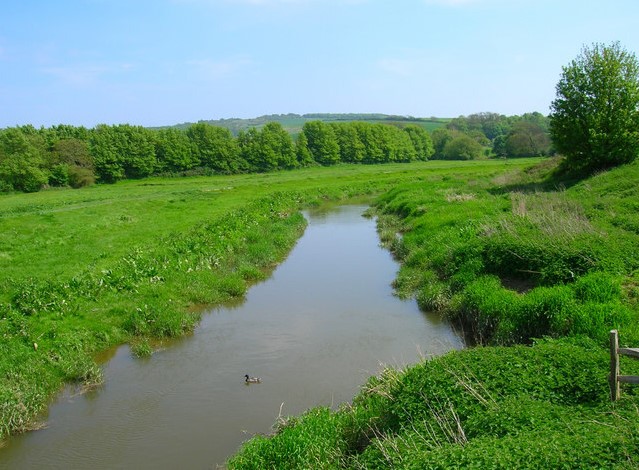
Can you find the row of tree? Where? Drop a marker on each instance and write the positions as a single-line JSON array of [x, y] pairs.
[[468, 137], [65, 155]]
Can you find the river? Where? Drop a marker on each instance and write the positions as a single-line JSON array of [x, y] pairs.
[[313, 332]]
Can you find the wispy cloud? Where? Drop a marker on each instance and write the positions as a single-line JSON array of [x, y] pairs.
[[210, 69], [84, 74], [78, 75], [397, 66]]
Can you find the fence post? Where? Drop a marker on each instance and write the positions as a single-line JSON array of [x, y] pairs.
[[614, 365]]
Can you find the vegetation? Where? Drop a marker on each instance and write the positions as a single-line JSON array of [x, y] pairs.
[[507, 258], [595, 116], [293, 123], [33, 159], [502, 136], [83, 270], [516, 407]]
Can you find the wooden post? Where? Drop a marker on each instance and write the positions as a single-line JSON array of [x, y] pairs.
[[614, 366]]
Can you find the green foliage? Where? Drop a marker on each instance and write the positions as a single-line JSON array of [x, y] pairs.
[[322, 142], [268, 149], [508, 266], [174, 151], [216, 148], [311, 441], [21, 160], [527, 139], [461, 147], [302, 153], [81, 273], [595, 115], [421, 141]]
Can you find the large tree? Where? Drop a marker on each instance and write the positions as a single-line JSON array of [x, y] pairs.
[[322, 142], [21, 160], [595, 115], [216, 148]]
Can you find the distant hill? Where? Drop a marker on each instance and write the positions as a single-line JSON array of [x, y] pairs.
[[293, 122]]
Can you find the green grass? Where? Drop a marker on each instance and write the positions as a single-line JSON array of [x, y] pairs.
[[83, 270], [545, 406], [508, 257]]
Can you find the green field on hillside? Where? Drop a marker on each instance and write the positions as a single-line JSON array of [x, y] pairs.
[[293, 123]]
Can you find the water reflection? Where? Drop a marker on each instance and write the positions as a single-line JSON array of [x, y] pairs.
[[313, 332]]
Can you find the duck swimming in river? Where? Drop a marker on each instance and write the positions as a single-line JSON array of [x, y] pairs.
[[252, 380]]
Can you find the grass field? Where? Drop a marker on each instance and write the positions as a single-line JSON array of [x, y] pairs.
[[83, 270]]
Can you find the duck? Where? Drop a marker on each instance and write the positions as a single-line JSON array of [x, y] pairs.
[[252, 380]]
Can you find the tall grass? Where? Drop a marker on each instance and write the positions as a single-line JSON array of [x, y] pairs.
[[518, 407], [520, 260]]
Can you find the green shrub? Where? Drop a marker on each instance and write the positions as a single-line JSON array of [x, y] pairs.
[[59, 175], [545, 311], [311, 441], [484, 303], [600, 287]]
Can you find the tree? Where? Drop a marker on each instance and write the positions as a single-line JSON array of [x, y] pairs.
[[216, 148], [440, 138], [71, 164], [21, 161], [122, 151], [421, 140], [302, 153], [594, 118], [109, 163], [322, 142], [174, 150], [527, 139], [352, 150], [462, 147], [267, 149]]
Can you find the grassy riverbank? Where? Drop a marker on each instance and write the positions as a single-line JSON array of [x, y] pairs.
[[508, 257], [83, 270]]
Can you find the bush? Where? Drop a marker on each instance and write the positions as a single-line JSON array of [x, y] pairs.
[[59, 175], [598, 287]]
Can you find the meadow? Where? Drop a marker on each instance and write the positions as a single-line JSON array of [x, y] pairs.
[[83, 270]]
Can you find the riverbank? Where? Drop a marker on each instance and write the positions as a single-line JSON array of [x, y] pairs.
[[508, 258], [84, 270]]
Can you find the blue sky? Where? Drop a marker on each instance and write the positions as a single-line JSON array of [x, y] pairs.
[[162, 62]]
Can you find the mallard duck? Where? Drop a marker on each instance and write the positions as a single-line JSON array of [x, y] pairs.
[[252, 380]]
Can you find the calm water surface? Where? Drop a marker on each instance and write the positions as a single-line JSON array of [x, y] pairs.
[[324, 322]]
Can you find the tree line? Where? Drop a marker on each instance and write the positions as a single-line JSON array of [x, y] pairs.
[[64, 155]]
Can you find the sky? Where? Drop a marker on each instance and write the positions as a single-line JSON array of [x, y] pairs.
[[164, 62]]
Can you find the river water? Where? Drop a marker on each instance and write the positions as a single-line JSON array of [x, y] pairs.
[[314, 332]]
